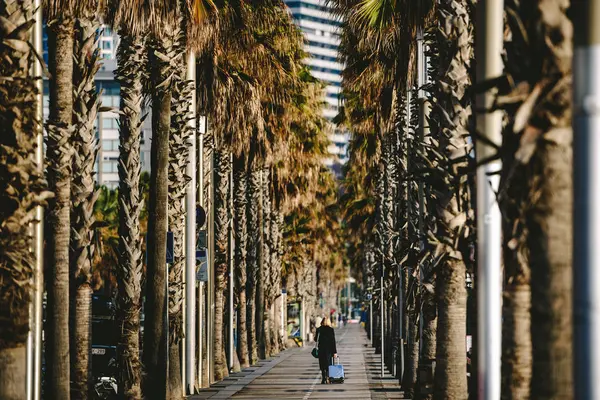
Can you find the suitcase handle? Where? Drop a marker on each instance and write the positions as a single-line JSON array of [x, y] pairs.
[[335, 360]]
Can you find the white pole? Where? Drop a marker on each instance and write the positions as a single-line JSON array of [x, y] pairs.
[[371, 321], [489, 46], [211, 276], [200, 170], [586, 221], [231, 265], [422, 122], [190, 238], [34, 341], [382, 307]]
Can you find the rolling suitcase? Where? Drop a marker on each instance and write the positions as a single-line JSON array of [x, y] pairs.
[[336, 371]]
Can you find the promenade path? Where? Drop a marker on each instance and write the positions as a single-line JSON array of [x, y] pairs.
[[294, 374]]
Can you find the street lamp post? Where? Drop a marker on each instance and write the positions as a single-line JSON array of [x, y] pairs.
[[586, 221], [488, 51], [190, 239]]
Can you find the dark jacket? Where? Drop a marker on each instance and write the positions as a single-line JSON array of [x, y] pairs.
[[327, 347]]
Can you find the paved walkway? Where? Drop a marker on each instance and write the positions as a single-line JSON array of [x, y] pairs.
[[294, 374]]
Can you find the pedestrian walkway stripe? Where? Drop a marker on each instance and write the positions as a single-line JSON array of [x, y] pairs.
[[312, 387]]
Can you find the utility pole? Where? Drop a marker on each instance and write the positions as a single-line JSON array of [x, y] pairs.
[[231, 265], [201, 303], [190, 239], [586, 221], [34, 340], [489, 45], [382, 307], [423, 126]]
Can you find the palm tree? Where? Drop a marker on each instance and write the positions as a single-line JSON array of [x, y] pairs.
[[452, 194], [241, 250], [21, 190], [60, 17], [131, 56], [83, 197], [541, 170], [254, 248], [163, 50], [178, 159], [132, 76]]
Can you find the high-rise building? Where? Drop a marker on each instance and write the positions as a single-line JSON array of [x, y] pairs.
[[107, 122], [321, 28]]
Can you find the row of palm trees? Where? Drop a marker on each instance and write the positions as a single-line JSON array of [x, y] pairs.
[[265, 128], [410, 185]]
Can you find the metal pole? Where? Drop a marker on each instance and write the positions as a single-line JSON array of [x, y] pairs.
[[231, 266], [382, 306], [34, 341], [586, 221], [200, 170], [371, 321], [190, 238], [211, 276], [422, 127], [489, 46], [348, 297]]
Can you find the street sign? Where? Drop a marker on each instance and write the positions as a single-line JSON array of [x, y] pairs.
[[201, 238], [202, 275], [170, 248], [200, 216]]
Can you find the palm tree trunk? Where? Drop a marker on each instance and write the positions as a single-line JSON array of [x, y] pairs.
[[264, 287], [428, 347], [21, 190], [59, 155], [451, 192], [412, 353], [253, 268], [549, 218], [222, 173], [83, 196], [178, 160], [516, 335], [550, 242], [156, 324], [131, 57], [241, 251]]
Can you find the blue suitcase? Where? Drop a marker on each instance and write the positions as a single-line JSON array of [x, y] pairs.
[[336, 372]]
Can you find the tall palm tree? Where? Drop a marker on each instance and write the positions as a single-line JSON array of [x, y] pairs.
[[21, 190], [178, 159], [452, 193], [60, 20], [131, 75], [163, 51], [240, 230], [254, 212], [132, 58], [541, 117], [83, 197]]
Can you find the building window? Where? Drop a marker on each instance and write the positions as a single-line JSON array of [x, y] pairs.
[[110, 101], [110, 123], [106, 45], [109, 167], [110, 145], [109, 88]]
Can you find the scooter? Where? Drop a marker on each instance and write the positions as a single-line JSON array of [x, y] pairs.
[[106, 387]]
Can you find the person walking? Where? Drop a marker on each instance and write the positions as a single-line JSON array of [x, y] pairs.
[[327, 348]]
